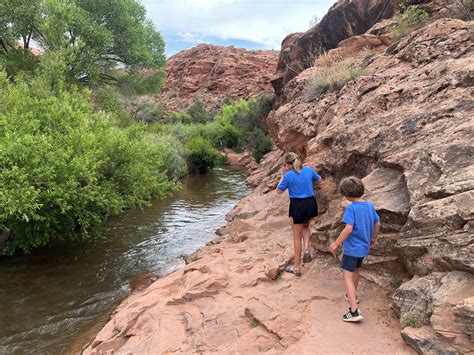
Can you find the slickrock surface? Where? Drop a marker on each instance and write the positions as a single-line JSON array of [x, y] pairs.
[[406, 128], [233, 300], [212, 74]]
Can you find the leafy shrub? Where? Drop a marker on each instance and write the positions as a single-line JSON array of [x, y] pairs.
[[199, 114], [260, 144], [333, 78], [181, 117], [407, 19], [146, 109], [64, 168], [200, 155], [107, 99]]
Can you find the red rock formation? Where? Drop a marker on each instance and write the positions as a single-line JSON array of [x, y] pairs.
[[405, 127], [344, 19], [211, 74]]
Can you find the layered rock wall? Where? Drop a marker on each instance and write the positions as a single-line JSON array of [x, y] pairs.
[[406, 128]]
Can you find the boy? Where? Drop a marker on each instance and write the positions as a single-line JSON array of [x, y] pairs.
[[362, 226]]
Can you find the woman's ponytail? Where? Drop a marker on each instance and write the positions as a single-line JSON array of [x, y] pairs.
[[294, 160], [297, 165]]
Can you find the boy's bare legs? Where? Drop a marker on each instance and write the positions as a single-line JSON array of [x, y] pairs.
[[351, 288], [355, 277], [297, 238]]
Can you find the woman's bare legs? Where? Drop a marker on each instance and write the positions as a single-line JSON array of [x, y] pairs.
[[297, 239], [306, 235]]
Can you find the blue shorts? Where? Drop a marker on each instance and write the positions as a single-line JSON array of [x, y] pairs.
[[351, 263]]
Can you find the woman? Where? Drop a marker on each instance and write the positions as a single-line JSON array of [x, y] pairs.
[[299, 180]]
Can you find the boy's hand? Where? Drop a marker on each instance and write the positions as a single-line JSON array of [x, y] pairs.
[[372, 242], [333, 248]]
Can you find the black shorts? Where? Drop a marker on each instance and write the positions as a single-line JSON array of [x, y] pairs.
[[351, 263], [303, 209]]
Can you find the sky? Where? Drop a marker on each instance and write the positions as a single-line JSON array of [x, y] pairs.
[[251, 24]]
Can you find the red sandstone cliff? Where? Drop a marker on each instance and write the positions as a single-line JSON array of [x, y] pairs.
[[406, 128], [211, 74]]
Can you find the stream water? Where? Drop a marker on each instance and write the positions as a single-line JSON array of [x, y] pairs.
[[53, 300]]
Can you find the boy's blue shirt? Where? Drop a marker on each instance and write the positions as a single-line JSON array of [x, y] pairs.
[[299, 185], [362, 217]]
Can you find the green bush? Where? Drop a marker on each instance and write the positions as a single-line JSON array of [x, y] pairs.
[[199, 114], [64, 168], [200, 154], [106, 98], [180, 117], [406, 19], [261, 144], [146, 109]]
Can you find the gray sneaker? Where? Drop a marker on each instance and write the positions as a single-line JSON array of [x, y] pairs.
[[307, 257]]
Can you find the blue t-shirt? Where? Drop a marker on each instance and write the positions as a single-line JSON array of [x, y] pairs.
[[362, 217], [299, 185]]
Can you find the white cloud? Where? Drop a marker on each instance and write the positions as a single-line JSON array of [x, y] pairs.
[[263, 21]]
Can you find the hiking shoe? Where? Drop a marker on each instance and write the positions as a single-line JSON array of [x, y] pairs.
[[293, 271], [352, 316], [307, 257], [347, 298]]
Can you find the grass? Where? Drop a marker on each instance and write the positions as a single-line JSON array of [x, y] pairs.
[[409, 18], [409, 321], [333, 78], [395, 283]]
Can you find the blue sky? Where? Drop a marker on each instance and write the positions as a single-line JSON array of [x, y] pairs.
[[251, 24]]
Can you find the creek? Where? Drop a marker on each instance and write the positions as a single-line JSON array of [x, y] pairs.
[[55, 299]]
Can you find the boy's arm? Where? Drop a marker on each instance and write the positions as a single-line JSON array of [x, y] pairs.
[[346, 232], [375, 233]]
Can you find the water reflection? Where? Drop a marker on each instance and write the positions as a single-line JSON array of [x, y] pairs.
[[51, 297]]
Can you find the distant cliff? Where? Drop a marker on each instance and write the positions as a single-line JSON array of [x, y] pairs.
[[212, 74]]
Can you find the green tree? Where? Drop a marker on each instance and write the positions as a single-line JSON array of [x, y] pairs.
[[95, 36]]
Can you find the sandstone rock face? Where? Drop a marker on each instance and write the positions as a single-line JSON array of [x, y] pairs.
[[344, 19], [212, 74], [236, 299], [406, 128]]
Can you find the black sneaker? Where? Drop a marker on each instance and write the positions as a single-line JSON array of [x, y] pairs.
[[307, 257], [352, 316]]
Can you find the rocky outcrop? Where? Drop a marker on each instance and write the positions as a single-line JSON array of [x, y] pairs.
[[344, 19], [406, 128], [234, 298], [212, 74]]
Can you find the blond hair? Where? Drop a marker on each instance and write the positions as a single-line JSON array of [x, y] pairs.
[[294, 160]]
